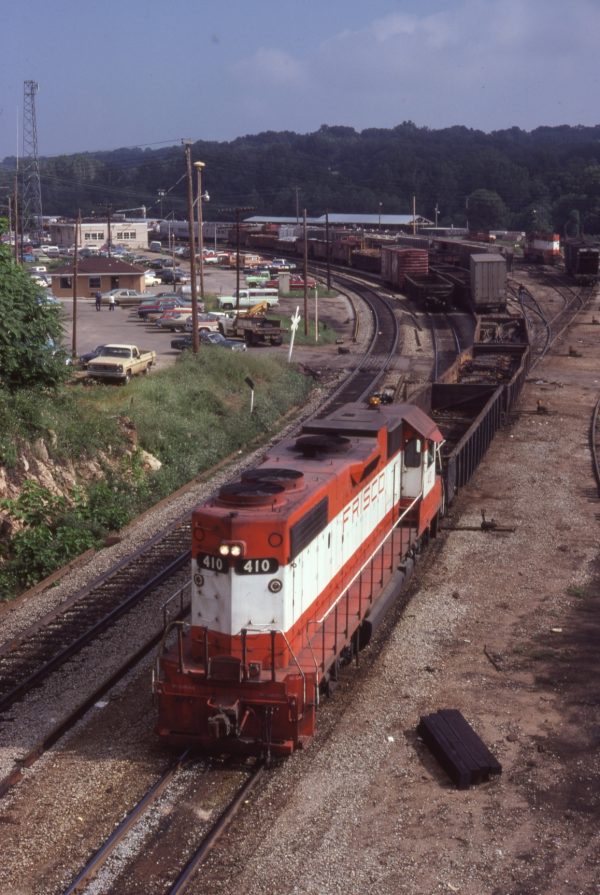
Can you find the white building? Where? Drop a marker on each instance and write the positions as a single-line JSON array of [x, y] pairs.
[[131, 234]]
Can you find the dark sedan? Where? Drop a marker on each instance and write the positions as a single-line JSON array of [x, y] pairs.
[[174, 276], [85, 358], [181, 343]]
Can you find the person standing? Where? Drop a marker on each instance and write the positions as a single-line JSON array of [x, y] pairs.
[[98, 297], [111, 303]]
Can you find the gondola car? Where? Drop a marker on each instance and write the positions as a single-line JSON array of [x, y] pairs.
[[291, 565]]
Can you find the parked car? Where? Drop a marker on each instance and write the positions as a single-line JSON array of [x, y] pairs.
[[297, 282], [175, 276], [183, 343], [152, 278], [85, 358], [221, 341], [175, 320], [206, 323], [46, 298], [158, 307], [124, 297], [280, 264]]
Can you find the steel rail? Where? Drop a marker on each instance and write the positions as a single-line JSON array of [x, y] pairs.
[[216, 831], [68, 722], [120, 831], [595, 445], [43, 671]]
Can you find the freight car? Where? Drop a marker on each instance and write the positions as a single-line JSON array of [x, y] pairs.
[[582, 260], [431, 292], [290, 566]]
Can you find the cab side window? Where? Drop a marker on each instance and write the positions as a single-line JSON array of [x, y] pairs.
[[412, 453]]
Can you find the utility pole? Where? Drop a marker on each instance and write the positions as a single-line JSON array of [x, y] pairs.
[[75, 272], [199, 166], [190, 193], [108, 223], [238, 211], [414, 215], [327, 251], [436, 211], [16, 190], [305, 274]]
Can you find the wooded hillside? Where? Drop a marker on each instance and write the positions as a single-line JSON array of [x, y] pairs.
[[535, 178]]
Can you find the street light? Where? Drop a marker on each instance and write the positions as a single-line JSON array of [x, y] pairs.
[[161, 196], [198, 166], [379, 225]]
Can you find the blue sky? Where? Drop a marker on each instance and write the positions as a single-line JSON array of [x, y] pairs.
[[143, 72]]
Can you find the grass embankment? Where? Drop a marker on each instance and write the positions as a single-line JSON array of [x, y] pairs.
[[189, 417]]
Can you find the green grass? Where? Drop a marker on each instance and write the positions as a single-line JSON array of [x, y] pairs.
[[190, 416]]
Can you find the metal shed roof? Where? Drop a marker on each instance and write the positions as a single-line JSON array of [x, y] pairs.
[[369, 220]]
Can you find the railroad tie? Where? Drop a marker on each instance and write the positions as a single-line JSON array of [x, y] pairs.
[[459, 750]]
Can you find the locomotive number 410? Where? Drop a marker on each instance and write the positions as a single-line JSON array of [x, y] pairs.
[[258, 566]]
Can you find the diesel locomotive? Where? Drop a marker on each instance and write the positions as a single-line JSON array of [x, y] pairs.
[[291, 564]]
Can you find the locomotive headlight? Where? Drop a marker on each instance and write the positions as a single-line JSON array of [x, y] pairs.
[[232, 548]]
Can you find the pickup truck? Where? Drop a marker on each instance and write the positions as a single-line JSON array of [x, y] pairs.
[[254, 330], [120, 362]]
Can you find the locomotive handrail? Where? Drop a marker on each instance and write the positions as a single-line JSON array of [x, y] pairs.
[[178, 593], [180, 625], [258, 629], [366, 563]]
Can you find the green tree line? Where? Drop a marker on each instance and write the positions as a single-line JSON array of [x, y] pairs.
[[510, 178]]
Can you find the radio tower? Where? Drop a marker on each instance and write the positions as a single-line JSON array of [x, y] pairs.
[[31, 214]]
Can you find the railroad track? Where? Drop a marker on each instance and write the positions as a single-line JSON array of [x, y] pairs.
[[136, 869], [546, 325], [381, 351], [26, 661]]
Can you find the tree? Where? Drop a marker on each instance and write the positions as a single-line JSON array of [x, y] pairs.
[[486, 211], [30, 330]]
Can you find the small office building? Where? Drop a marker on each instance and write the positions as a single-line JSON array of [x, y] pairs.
[[97, 275]]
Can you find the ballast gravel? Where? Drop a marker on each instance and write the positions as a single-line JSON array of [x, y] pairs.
[[503, 626]]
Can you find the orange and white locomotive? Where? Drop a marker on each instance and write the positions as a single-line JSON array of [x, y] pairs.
[[288, 564]]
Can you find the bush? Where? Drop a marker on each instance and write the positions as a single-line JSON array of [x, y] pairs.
[[190, 417]]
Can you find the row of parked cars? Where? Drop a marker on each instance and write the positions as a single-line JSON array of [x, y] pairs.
[[172, 313]]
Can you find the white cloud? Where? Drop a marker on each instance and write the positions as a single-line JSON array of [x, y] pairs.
[[271, 63]]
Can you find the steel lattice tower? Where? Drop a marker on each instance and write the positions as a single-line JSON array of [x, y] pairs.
[[31, 202]]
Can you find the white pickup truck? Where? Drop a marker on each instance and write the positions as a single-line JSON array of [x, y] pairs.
[[120, 362]]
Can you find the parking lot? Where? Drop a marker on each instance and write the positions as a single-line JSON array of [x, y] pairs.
[[123, 325]]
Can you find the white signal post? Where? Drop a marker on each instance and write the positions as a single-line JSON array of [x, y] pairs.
[[295, 321], [317, 313]]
